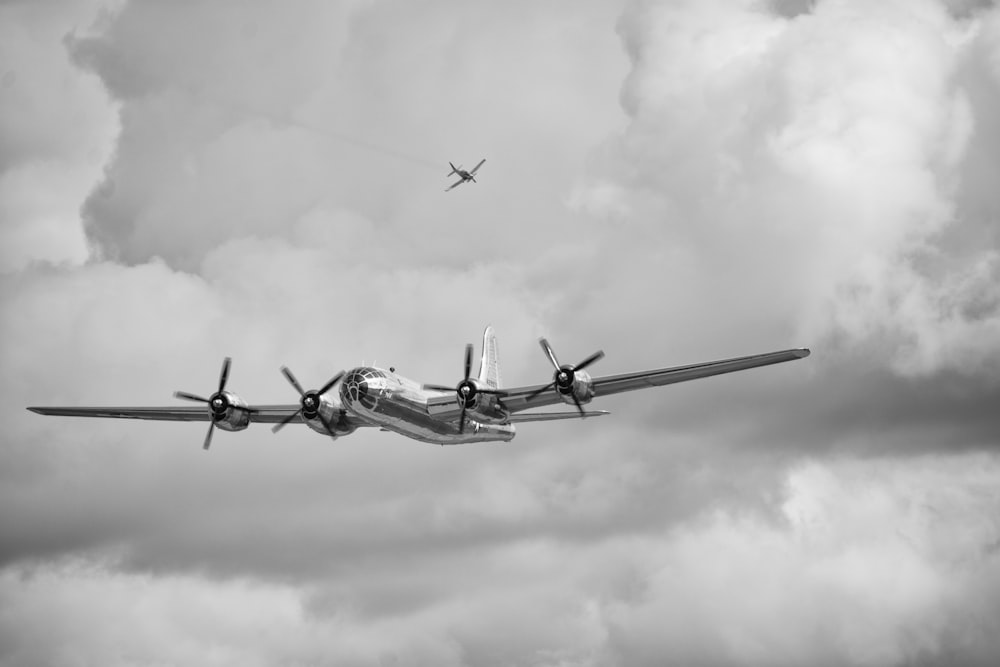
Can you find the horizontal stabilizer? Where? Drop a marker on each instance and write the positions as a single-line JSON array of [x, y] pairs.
[[552, 416]]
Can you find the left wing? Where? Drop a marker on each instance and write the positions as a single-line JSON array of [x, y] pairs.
[[524, 398], [476, 168], [455, 184], [518, 399], [553, 416]]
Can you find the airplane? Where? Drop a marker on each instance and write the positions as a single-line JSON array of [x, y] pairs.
[[477, 409], [465, 176]]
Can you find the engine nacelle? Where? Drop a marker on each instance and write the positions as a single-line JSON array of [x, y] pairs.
[[486, 407], [582, 388], [335, 415], [229, 411]]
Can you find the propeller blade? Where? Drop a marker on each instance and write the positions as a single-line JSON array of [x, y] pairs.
[[189, 397], [224, 375], [549, 352], [329, 385], [291, 379], [539, 391], [589, 360], [327, 425], [208, 436], [563, 374], [437, 387], [466, 389], [287, 420], [579, 407]]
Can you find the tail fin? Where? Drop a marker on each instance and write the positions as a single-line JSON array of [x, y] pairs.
[[453, 169], [489, 368]]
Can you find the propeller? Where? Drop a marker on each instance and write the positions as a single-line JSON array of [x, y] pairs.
[[564, 376], [309, 403], [466, 390], [218, 403]]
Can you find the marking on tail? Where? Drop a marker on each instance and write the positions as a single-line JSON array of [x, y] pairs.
[[489, 367]]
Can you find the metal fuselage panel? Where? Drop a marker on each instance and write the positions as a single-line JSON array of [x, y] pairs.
[[399, 405]]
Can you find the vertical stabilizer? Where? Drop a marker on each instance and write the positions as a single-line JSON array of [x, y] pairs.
[[489, 368]]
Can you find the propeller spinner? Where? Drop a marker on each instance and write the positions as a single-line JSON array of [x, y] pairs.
[[466, 390], [565, 375], [218, 403], [309, 402]]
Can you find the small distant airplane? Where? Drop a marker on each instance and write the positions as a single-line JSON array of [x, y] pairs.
[[477, 409], [465, 176]]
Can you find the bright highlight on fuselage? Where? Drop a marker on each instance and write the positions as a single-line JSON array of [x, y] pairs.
[[477, 409]]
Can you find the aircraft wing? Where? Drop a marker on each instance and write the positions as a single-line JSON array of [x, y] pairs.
[[552, 416], [520, 398], [455, 184], [261, 414], [476, 168], [178, 414]]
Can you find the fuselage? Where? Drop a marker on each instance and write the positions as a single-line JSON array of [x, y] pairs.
[[464, 174], [398, 404]]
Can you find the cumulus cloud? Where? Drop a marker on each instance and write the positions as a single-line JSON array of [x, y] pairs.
[[827, 155], [56, 129], [205, 155], [784, 173], [867, 563]]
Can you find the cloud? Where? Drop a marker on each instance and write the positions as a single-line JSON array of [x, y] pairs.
[[205, 155], [871, 563], [860, 563], [56, 128], [847, 130], [784, 173]]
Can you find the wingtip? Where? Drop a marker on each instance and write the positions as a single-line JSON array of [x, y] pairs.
[[802, 352], [37, 411]]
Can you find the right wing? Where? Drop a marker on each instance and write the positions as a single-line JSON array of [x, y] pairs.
[[455, 184], [259, 414], [476, 168], [178, 414]]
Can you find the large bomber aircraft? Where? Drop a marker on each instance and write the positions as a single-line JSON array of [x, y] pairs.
[[477, 409]]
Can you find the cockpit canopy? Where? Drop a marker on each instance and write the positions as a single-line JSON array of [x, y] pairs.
[[360, 381]]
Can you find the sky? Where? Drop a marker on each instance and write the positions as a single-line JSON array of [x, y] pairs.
[[668, 181]]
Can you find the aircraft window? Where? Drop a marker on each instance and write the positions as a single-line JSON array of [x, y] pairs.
[[355, 385]]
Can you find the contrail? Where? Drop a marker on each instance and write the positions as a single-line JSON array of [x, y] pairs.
[[325, 131], [362, 143]]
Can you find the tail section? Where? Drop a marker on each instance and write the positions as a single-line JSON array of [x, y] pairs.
[[489, 368], [453, 169]]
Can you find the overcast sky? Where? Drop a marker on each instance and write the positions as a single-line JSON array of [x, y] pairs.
[[671, 182]]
